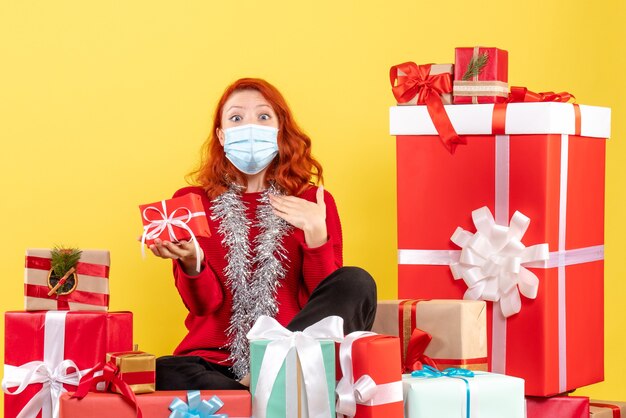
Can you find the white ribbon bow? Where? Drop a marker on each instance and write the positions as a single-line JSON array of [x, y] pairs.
[[52, 379], [156, 227], [311, 360], [364, 391], [492, 261]]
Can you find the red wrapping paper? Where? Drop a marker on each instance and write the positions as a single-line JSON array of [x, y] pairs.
[[237, 404], [379, 357], [186, 209], [557, 406], [496, 70], [88, 337], [437, 193]]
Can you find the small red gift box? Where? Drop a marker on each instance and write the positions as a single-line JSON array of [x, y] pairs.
[[90, 291], [56, 347], [557, 406], [135, 368], [237, 404], [177, 219], [480, 75], [370, 384], [545, 160]]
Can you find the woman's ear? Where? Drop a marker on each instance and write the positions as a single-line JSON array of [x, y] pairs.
[[220, 135]]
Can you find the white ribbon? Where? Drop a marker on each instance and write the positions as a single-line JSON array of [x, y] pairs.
[[364, 391], [309, 351], [492, 261], [156, 227], [52, 372]]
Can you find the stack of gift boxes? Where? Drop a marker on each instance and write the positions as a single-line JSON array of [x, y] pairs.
[[500, 253], [67, 356], [500, 202]]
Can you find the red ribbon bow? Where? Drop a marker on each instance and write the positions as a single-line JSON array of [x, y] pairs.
[[522, 94], [111, 376], [415, 357], [418, 82]]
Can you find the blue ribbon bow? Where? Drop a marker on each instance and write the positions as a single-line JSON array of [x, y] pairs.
[[453, 372], [196, 407]]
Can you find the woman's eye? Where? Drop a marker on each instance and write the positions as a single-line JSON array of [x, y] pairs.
[[265, 116], [235, 118]]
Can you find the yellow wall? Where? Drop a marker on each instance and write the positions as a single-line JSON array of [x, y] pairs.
[[104, 104]]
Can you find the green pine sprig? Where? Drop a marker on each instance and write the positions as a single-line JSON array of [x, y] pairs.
[[63, 259], [475, 66]]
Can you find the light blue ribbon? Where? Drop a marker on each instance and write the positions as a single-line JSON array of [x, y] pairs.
[[453, 372], [196, 407]]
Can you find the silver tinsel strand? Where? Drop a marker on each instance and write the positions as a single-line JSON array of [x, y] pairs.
[[254, 293]]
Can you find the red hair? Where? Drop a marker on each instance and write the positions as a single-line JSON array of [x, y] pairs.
[[293, 169]]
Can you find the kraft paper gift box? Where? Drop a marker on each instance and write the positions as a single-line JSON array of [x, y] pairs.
[[458, 329], [370, 382], [399, 77], [60, 346], [607, 409], [293, 374], [557, 406], [136, 368], [486, 395], [545, 160], [490, 85], [152, 405], [176, 219], [90, 290]]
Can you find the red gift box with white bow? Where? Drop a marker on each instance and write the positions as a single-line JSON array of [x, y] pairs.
[[536, 172], [176, 219], [46, 353], [369, 376]]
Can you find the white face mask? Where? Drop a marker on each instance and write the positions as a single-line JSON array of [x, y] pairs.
[[251, 148]]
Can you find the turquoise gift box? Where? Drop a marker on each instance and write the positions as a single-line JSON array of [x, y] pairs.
[[292, 374], [485, 395], [288, 397]]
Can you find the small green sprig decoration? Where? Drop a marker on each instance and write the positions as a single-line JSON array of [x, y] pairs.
[[63, 264], [475, 66]]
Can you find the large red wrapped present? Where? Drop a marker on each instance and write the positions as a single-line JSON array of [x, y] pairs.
[[480, 75], [47, 353], [236, 404], [541, 165], [607, 409], [371, 377], [457, 329], [557, 406], [87, 289]]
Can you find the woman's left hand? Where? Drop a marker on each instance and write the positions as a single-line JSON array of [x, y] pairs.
[[310, 217]]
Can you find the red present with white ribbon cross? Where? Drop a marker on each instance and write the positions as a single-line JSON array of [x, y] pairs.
[[47, 353], [370, 378], [526, 193]]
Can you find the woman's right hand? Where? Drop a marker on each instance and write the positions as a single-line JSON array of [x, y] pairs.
[[184, 251]]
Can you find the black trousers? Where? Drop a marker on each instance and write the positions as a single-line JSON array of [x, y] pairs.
[[349, 292]]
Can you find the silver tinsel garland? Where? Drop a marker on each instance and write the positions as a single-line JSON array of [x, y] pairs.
[[254, 292]]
